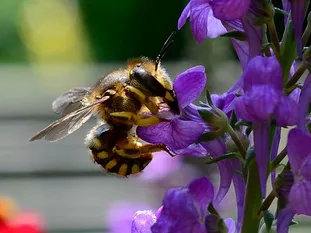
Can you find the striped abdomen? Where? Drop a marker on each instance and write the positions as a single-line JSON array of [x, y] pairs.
[[119, 165]]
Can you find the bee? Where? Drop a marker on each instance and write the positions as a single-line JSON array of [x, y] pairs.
[[121, 100]]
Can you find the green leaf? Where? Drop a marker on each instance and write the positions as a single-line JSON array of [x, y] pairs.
[[268, 218], [288, 50], [225, 156], [206, 115], [236, 35]]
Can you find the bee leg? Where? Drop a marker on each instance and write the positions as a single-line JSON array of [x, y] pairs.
[[150, 148], [131, 148], [143, 99], [130, 118]]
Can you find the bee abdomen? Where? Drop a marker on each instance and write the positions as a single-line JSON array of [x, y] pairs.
[[121, 166]]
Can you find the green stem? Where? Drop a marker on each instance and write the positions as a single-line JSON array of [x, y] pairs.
[[252, 201], [237, 141], [278, 159], [301, 69], [268, 201], [274, 38]]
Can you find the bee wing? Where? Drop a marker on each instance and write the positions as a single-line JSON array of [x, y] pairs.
[[70, 101], [68, 124]]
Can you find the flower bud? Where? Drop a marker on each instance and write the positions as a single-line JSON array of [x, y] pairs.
[[230, 144], [218, 122]]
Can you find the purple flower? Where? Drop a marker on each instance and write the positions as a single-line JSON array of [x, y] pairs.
[[185, 209], [143, 220], [298, 8], [253, 32], [179, 133], [263, 99], [210, 19], [304, 101], [119, 216], [299, 155]]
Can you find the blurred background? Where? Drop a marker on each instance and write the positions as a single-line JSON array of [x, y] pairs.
[[48, 47]]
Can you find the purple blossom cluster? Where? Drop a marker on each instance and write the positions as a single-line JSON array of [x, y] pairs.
[[240, 130]]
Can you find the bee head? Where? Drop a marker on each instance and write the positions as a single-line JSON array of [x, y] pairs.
[[152, 78], [153, 82]]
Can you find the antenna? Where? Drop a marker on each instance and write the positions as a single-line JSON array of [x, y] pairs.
[[168, 43]]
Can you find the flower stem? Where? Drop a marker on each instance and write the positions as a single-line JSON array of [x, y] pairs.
[[278, 159], [274, 38], [272, 195], [267, 202], [252, 201], [301, 69], [237, 141]]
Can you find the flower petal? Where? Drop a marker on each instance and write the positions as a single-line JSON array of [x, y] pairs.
[[300, 198], [217, 148], [183, 17], [261, 145], [286, 112], [263, 71], [215, 27], [298, 149], [306, 168], [298, 8], [304, 101], [254, 33], [190, 113], [193, 150], [284, 219], [198, 18], [258, 104], [230, 9], [230, 225], [202, 192], [179, 214], [189, 85], [119, 216], [241, 47], [239, 187], [176, 134], [143, 220]]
